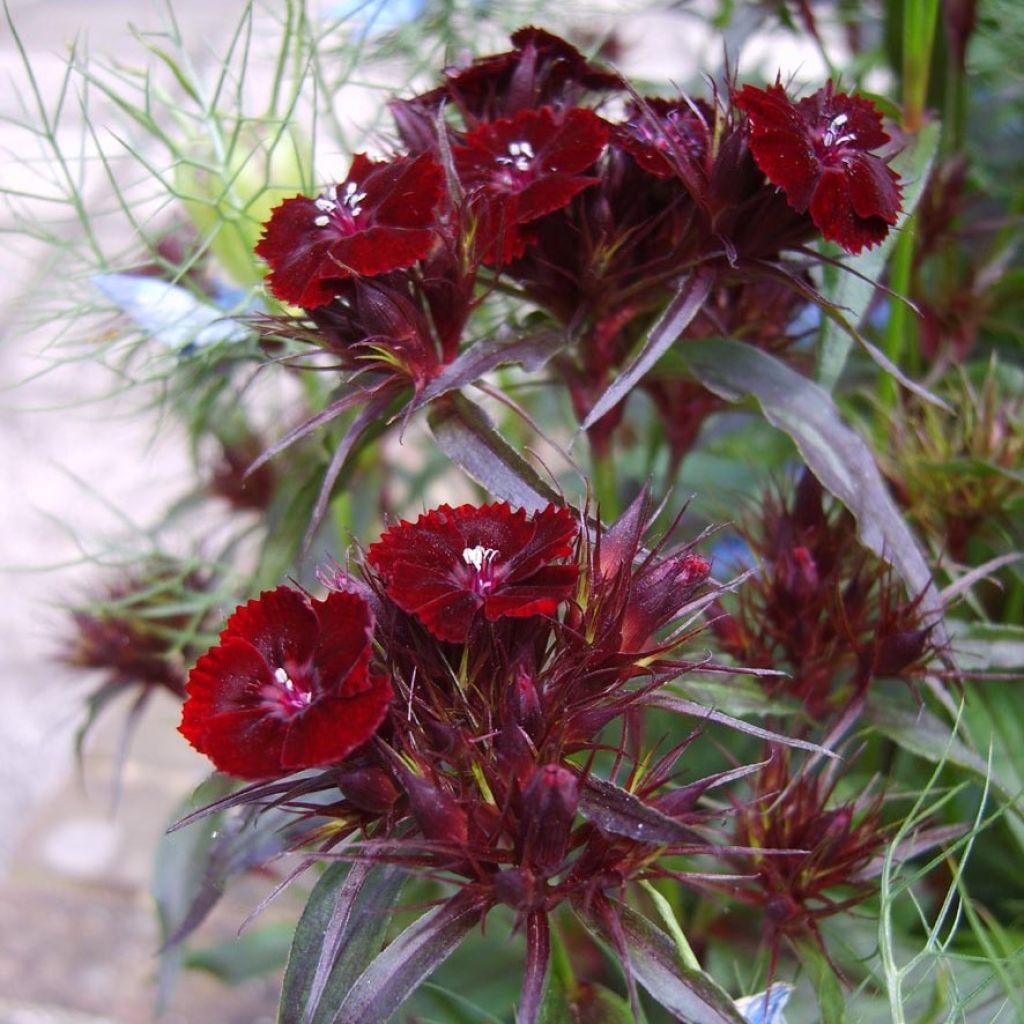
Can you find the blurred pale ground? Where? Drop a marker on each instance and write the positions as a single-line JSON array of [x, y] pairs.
[[77, 931]]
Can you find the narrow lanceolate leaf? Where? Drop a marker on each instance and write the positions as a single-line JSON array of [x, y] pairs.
[[340, 931], [670, 325], [655, 963], [394, 974], [619, 812], [852, 287], [466, 434], [836, 455], [538, 957], [688, 707], [531, 352], [919, 731]]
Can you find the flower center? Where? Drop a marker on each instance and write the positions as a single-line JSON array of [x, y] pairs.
[[343, 209], [833, 136], [285, 696], [481, 560]]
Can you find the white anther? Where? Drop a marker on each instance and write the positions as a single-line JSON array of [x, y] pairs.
[[324, 205], [479, 556], [322, 221]]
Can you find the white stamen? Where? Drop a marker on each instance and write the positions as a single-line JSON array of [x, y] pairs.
[[322, 221], [479, 556], [352, 198], [830, 138], [520, 154], [284, 679], [324, 205], [331, 192]]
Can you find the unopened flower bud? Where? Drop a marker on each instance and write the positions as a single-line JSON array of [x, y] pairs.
[[899, 650], [549, 809], [437, 813], [369, 788], [659, 592]]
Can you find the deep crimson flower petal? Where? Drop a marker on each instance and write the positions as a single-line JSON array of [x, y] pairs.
[[287, 687], [280, 625], [332, 728], [818, 151], [832, 210], [781, 142], [549, 194], [346, 631], [453, 562], [381, 218]]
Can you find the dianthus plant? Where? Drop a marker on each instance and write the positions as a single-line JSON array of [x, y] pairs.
[[526, 711]]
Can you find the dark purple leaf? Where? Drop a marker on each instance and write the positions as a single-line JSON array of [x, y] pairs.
[[466, 434], [369, 420], [836, 455], [341, 930], [621, 813], [531, 351], [676, 318], [655, 963], [538, 955], [418, 951]]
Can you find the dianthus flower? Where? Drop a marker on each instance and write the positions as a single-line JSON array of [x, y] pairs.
[[453, 562], [819, 152], [380, 218], [287, 687]]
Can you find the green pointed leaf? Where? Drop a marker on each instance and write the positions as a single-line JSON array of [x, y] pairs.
[[835, 453], [254, 954], [831, 1001]]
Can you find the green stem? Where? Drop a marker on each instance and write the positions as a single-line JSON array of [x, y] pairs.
[[919, 20], [900, 342], [605, 485]]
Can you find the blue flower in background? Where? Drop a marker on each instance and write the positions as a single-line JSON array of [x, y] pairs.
[[173, 316], [376, 16], [766, 1007]]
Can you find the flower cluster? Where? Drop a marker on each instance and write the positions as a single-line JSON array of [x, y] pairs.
[[540, 171], [458, 696], [822, 609]]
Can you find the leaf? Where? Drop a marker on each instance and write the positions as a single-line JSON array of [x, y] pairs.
[[836, 455], [655, 964], [852, 286], [394, 974], [681, 310], [921, 732], [180, 878], [831, 1002], [341, 929], [687, 707], [737, 695], [531, 351], [538, 959], [466, 434], [619, 812], [252, 955]]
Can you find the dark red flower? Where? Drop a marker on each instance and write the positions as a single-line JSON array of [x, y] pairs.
[[453, 562], [818, 151], [380, 218], [287, 687], [518, 169], [665, 133]]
